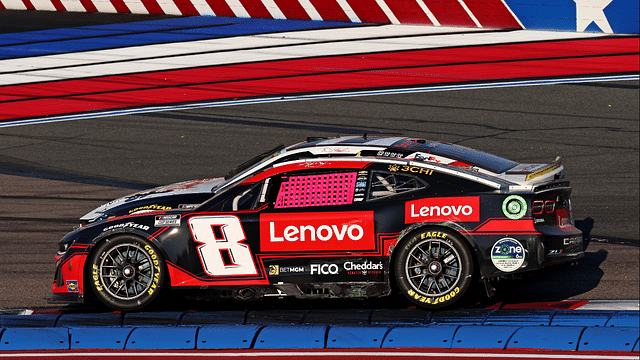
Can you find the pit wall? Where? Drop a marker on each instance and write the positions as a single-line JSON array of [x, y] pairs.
[[606, 16]]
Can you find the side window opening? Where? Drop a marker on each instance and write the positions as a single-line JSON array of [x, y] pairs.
[[316, 190], [248, 199], [387, 184]]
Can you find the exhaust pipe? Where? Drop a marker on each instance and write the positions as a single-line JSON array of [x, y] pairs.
[[246, 294]]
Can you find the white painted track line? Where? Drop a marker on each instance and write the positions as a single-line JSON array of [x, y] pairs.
[[611, 305]]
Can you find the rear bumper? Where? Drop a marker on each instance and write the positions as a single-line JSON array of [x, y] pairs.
[[561, 245], [564, 258]]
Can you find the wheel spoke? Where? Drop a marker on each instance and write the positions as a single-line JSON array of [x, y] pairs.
[[433, 267], [416, 275], [136, 282]]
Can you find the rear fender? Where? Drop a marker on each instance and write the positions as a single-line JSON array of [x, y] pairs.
[[452, 226]]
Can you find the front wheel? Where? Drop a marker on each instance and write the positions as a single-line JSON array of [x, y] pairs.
[[434, 268], [126, 272]]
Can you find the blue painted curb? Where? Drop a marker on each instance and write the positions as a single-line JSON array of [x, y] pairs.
[[489, 329]]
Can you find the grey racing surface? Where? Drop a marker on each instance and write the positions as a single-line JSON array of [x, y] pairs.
[[51, 174]]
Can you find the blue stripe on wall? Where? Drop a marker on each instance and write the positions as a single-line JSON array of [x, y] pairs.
[[85, 38]]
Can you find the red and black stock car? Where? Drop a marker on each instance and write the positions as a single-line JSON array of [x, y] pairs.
[[338, 217]]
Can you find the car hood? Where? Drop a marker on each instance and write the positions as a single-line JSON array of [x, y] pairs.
[[153, 199]]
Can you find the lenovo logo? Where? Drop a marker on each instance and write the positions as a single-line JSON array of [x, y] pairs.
[[322, 233], [463, 209], [317, 231]]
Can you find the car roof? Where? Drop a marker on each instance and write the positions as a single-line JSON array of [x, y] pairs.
[[419, 148]]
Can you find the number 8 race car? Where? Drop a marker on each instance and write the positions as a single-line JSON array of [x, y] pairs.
[[339, 217]]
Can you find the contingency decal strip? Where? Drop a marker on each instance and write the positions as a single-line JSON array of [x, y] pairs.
[[324, 74]]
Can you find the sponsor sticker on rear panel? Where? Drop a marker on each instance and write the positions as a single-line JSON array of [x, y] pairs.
[[507, 255], [462, 209], [328, 231]]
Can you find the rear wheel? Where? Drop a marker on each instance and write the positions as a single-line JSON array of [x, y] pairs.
[[434, 268], [126, 272]]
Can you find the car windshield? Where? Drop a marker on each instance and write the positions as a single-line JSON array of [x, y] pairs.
[[247, 165], [239, 171]]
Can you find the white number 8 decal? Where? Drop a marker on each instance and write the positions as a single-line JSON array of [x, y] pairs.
[[222, 251]]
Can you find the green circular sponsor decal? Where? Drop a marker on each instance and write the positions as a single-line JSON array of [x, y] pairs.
[[514, 207]]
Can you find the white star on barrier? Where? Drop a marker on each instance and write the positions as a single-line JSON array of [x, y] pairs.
[[588, 11]]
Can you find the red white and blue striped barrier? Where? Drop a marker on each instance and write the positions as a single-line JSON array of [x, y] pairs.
[[608, 16], [186, 62]]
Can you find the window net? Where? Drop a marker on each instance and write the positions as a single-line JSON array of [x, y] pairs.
[[316, 190]]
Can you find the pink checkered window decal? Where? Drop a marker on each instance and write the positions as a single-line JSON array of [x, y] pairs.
[[316, 190]]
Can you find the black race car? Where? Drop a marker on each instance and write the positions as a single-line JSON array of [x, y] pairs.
[[338, 217]]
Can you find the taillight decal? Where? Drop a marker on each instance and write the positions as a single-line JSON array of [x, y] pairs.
[[549, 206], [538, 207]]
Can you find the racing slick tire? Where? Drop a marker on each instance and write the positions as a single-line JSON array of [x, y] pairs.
[[126, 272], [434, 268]]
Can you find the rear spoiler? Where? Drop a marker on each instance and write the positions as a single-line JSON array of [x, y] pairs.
[[553, 185], [545, 170]]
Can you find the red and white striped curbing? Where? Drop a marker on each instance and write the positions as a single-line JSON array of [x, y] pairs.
[[467, 13]]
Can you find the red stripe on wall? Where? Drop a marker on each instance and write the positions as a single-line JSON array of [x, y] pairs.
[[186, 7], [329, 10], [450, 12], [58, 5], [88, 6], [152, 7], [256, 9], [408, 12], [292, 9], [368, 11], [492, 13], [120, 6], [220, 8], [27, 4]]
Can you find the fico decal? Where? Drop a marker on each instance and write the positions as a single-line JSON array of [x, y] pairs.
[[317, 231], [463, 209]]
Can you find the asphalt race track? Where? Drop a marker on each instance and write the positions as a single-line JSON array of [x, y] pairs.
[[51, 174]]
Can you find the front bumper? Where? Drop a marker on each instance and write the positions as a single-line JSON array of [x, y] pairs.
[[68, 284]]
